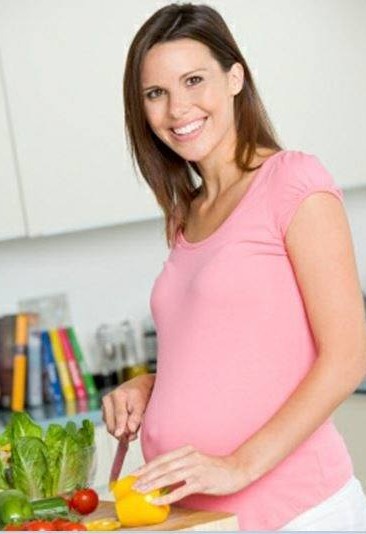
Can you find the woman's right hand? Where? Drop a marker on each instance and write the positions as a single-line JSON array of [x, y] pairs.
[[123, 408]]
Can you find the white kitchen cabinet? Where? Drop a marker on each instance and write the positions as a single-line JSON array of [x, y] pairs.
[[11, 214], [63, 64], [350, 420]]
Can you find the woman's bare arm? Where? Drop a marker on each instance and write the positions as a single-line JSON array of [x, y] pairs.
[[319, 246]]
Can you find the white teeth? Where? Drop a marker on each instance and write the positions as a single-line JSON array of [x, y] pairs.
[[189, 128]]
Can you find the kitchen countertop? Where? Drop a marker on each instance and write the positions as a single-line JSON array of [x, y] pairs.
[[179, 519]]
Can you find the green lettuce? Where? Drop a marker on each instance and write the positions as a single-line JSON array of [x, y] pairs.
[[50, 464], [30, 467], [4, 459], [21, 425], [71, 455], [4, 437], [3, 480]]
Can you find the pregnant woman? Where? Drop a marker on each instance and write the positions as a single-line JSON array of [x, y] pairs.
[[258, 309]]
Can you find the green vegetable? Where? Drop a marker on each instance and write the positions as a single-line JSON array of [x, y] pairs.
[[14, 507], [85, 438], [46, 465], [66, 463], [3, 480], [50, 508], [4, 459], [30, 467], [70, 455], [4, 437], [21, 425]]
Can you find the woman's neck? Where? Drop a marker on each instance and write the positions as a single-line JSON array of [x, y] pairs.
[[219, 175]]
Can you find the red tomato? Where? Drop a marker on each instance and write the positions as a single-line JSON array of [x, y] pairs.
[[84, 501], [74, 526], [15, 526], [60, 523], [39, 524]]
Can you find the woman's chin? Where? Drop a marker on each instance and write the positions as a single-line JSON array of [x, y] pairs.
[[193, 156]]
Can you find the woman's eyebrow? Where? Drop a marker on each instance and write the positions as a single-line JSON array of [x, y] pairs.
[[180, 77]]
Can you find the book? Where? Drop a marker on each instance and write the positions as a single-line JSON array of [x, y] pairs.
[[7, 341], [72, 364], [19, 363], [67, 387], [87, 377], [52, 386], [34, 395]]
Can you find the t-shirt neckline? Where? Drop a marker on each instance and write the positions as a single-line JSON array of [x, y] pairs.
[[182, 241]]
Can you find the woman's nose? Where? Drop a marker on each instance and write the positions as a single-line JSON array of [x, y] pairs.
[[179, 105]]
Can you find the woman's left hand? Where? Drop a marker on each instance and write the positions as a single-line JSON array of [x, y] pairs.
[[193, 472]]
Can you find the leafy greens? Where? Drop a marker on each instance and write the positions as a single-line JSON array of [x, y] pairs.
[[50, 464]]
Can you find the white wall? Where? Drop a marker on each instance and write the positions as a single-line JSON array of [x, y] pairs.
[[108, 273]]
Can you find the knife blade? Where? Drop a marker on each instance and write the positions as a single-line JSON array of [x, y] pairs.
[[119, 457]]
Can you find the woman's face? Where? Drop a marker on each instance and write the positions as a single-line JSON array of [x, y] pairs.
[[189, 99]]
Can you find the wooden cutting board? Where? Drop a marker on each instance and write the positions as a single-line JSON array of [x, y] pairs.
[[179, 519]]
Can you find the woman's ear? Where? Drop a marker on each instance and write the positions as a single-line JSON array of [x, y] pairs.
[[236, 78]]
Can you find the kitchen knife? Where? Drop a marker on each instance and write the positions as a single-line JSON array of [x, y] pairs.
[[121, 451]]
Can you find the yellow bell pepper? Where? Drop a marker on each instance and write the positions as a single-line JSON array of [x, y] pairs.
[[135, 509], [109, 523], [121, 487]]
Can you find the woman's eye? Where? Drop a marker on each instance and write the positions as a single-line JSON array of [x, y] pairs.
[[194, 80], [154, 93]]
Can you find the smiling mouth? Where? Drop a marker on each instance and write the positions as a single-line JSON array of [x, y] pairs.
[[190, 128]]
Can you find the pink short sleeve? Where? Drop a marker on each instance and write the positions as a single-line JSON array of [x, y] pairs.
[[297, 176]]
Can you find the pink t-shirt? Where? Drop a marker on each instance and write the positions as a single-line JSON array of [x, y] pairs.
[[234, 342]]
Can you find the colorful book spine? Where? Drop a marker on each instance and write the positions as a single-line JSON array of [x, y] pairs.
[[20, 363], [63, 372], [72, 365], [87, 377], [7, 340], [34, 371], [53, 386]]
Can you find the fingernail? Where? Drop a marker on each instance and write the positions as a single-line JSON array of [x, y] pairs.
[[137, 472], [139, 487], [118, 432]]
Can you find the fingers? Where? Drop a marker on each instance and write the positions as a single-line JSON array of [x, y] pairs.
[[108, 413], [115, 413], [183, 482], [186, 471], [136, 408], [168, 479], [177, 495], [163, 459], [123, 409]]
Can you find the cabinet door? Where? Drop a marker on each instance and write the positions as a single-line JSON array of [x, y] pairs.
[[11, 215], [63, 64]]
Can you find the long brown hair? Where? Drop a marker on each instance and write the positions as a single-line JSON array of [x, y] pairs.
[[170, 176]]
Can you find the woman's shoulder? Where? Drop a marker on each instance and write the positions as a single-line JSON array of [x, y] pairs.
[[296, 175], [295, 158], [300, 170]]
